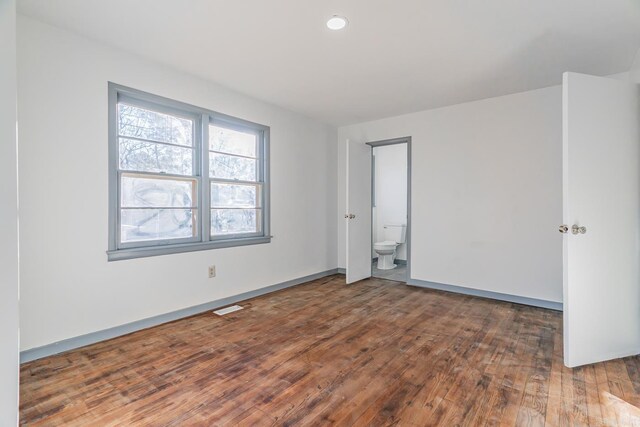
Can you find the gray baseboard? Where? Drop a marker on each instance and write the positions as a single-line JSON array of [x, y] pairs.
[[342, 271], [552, 305], [396, 261], [94, 337]]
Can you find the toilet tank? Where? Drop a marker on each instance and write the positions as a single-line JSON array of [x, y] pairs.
[[395, 232]]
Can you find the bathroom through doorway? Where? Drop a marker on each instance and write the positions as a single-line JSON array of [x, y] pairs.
[[390, 209]]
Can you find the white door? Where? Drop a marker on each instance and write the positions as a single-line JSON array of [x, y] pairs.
[[601, 192], [358, 215]]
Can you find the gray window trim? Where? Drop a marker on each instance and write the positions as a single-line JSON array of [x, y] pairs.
[[202, 118]]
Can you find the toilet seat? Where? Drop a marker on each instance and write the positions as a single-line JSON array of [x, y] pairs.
[[386, 252], [387, 244]]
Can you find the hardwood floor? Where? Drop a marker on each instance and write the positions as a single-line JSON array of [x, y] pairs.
[[373, 353]]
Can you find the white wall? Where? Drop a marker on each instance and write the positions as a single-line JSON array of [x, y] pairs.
[[391, 191], [68, 287], [486, 192], [634, 72], [8, 218]]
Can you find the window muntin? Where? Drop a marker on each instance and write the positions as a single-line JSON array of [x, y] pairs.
[[232, 167], [235, 221], [230, 141], [234, 195], [153, 125], [140, 155], [173, 190]]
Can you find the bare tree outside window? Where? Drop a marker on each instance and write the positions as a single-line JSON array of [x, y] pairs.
[[175, 187], [153, 208]]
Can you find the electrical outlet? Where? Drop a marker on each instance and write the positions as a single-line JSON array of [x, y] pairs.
[[212, 271]]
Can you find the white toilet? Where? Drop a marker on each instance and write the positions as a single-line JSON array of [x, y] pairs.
[[394, 236]]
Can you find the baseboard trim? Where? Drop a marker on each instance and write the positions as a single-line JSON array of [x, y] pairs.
[[487, 294], [342, 271], [106, 334], [397, 261]]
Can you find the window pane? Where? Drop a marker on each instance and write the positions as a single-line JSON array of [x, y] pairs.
[[232, 141], [151, 157], [156, 224], [232, 167], [233, 195], [234, 221], [147, 124], [138, 191]]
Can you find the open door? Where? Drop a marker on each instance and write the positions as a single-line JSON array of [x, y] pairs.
[[601, 213], [358, 215]]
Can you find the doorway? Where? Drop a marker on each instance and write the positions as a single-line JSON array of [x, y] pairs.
[[359, 207], [390, 209]]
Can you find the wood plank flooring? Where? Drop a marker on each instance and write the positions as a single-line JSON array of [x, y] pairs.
[[369, 354]]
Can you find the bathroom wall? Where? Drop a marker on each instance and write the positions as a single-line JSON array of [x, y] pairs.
[[390, 191]]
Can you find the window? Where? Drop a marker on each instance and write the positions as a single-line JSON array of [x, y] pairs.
[[183, 178]]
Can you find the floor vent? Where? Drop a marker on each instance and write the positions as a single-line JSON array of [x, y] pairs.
[[228, 310]]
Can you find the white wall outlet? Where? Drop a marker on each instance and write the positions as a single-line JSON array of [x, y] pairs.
[[212, 271]]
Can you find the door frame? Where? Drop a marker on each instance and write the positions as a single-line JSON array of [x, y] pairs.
[[382, 143]]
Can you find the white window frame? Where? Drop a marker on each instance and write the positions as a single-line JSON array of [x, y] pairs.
[[201, 118]]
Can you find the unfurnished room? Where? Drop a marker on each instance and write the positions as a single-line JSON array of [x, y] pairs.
[[296, 213]]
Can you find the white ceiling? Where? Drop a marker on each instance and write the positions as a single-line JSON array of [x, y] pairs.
[[395, 56]]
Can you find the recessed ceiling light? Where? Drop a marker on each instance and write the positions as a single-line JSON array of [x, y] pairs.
[[337, 22]]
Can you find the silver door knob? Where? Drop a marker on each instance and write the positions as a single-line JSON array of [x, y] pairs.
[[575, 229], [563, 228]]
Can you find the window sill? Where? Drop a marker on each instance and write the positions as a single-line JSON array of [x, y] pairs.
[[122, 254]]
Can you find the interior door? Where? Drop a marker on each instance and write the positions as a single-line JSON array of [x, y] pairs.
[[358, 215], [601, 192]]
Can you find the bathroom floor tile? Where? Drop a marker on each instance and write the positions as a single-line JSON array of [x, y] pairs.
[[399, 273]]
